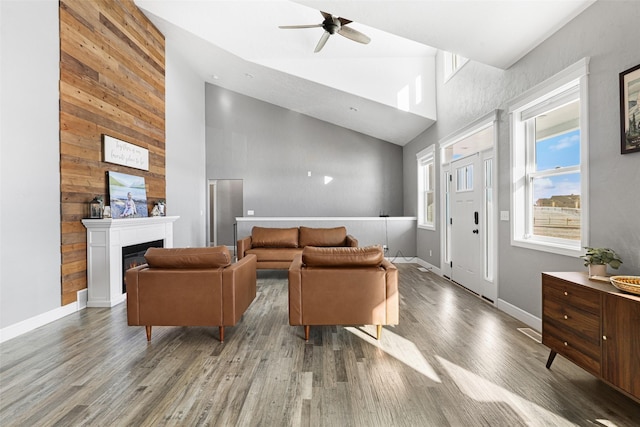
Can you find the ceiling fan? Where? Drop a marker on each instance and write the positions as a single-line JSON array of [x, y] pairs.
[[332, 25]]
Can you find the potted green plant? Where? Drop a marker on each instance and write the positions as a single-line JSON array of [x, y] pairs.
[[597, 260]]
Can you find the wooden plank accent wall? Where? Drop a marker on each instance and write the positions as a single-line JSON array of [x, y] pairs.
[[112, 66]]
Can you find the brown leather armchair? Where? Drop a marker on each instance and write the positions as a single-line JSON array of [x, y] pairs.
[[343, 286], [190, 287]]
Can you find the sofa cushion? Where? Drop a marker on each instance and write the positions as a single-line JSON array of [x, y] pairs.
[[213, 257], [274, 254], [322, 237], [369, 256], [263, 237]]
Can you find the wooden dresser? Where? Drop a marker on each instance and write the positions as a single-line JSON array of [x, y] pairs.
[[594, 325]]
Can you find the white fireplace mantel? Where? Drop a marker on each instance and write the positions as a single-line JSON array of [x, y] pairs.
[[105, 240]]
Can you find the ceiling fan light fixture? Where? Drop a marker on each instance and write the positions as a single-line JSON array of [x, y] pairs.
[[332, 25]]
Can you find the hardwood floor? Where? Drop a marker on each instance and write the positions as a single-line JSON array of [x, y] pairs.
[[454, 360]]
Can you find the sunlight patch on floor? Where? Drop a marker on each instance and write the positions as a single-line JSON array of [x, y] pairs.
[[401, 349], [607, 423], [482, 390]]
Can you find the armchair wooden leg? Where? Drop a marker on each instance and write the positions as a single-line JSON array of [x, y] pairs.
[[221, 328], [307, 328], [378, 332], [148, 329]]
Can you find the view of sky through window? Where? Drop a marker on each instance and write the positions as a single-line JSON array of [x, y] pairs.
[[556, 152]]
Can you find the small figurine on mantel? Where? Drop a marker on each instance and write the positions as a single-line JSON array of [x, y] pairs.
[[158, 209]]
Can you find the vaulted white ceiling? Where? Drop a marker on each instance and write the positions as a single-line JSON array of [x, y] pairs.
[[386, 88]]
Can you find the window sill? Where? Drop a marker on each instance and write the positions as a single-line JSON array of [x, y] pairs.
[[554, 248], [427, 227]]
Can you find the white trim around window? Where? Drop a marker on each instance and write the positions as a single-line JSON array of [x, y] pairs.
[[426, 188], [569, 85]]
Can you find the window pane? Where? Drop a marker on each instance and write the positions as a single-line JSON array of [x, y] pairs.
[[556, 209], [558, 138], [432, 179], [488, 219], [430, 208], [558, 151]]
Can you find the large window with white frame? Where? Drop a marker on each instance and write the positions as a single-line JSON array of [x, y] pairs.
[[549, 164], [426, 188]]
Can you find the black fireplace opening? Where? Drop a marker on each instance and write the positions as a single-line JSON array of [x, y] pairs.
[[133, 256]]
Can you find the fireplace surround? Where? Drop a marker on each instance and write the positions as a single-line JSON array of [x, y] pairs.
[[105, 240]]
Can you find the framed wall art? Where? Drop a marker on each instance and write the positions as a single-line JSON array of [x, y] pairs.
[[127, 195], [630, 110]]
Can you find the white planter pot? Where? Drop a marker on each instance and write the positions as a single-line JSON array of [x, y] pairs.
[[597, 270]]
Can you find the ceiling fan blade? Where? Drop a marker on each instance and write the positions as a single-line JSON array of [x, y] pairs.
[[323, 40], [295, 27], [354, 35], [344, 21], [326, 15]]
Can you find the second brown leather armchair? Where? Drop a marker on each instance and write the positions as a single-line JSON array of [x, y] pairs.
[[343, 286], [190, 287]]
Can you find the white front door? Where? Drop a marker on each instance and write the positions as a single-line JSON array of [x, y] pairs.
[[466, 223]]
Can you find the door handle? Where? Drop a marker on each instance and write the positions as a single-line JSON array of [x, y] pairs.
[[476, 231], [475, 217]]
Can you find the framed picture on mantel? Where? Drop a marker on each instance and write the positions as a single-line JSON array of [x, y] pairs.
[[127, 195], [630, 110]]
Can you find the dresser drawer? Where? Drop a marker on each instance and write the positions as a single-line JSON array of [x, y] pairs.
[[574, 320], [570, 294], [583, 353]]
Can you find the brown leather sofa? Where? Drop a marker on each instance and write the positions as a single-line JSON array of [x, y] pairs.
[[343, 286], [276, 247], [190, 287]]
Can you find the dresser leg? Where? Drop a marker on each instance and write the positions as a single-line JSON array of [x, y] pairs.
[[552, 355]]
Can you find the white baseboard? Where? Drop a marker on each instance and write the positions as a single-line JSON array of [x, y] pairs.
[[401, 259], [32, 323], [526, 317], [83, 296]]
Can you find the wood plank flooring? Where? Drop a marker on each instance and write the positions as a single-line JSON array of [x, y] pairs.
[[453, 360]]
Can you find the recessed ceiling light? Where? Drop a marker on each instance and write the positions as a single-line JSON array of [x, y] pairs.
[[215, 76]]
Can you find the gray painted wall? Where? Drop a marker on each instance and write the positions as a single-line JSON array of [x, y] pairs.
[[29, 161], [185, 165], [605, 32], [272, 150]]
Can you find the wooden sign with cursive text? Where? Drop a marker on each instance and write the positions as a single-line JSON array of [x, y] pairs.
[[123, 153]]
